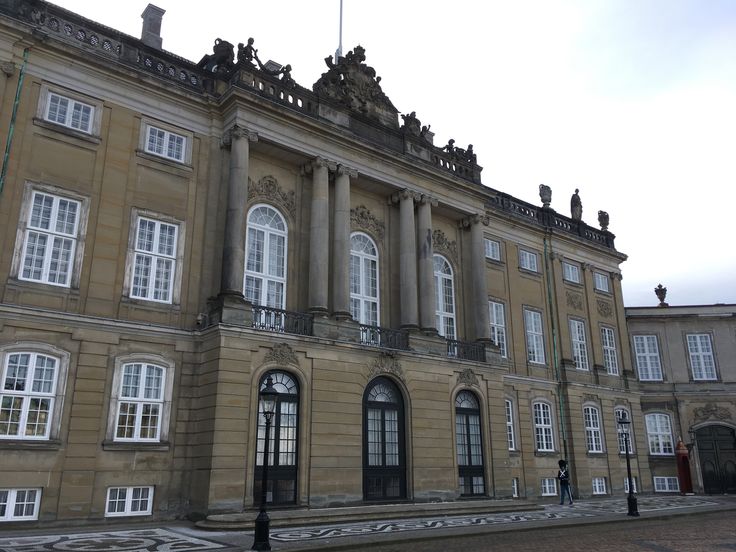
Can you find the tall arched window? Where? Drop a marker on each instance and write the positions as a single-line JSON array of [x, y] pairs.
[[282, 450], [469, 445], [364, 280], [444, 297], [384, 456], [265, 257]]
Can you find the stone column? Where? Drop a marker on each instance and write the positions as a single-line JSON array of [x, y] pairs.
[[407, 259], [341, 244], [427, 305], [481, 316], [233, 254], [319, 233]]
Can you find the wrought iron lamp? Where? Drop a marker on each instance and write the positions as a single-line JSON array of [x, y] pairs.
[[624, 423], [267, 397]]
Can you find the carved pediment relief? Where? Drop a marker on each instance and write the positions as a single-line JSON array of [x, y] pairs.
[[442, 245], [711, 411], [574, 300], [386, 363], [604, 308], [281, 354], [467, 377], [361, 218], [268, 188]]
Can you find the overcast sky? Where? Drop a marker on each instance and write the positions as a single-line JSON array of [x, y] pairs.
[[631, 101]]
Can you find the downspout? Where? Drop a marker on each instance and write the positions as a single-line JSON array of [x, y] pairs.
[[555, 360], [13, 116]]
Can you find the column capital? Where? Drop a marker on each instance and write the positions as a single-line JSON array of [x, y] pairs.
[[7, 67], [236, 132], [318, 162], [406, 193], [471, 220], [586, 266], [427, 199], [349, 171], [617, 276]]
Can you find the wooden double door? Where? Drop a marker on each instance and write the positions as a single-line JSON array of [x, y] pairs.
[[717, 454]]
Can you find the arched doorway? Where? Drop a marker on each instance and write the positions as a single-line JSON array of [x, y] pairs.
[[469, 444], [717, 454]]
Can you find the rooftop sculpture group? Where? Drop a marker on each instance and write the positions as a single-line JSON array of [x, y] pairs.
[[222, 61]]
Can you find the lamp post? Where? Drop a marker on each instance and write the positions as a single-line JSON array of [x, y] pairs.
[[267, 397], [624, 424]]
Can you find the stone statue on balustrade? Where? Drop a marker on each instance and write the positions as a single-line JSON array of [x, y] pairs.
[[576, 206], [545, 194], [603, 220], [411, 125], [222, 58], [247, 53]]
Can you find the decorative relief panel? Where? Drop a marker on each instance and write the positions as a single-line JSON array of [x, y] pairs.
[[281, 354], [361, 218], [709, 411], [605, 309], [442, 245], [386, 363], [590, 398], [574, 300], [268, 188], [467, 377]]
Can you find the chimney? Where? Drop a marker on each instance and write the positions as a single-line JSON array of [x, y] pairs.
[[151, 34]]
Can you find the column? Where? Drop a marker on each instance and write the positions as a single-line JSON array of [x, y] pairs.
[[427, 307], [319, 249], [481, 317], [408, 260], [341, 243], [233, 254]]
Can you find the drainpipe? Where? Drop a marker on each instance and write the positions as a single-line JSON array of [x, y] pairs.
[[555, 360], [13, 116]]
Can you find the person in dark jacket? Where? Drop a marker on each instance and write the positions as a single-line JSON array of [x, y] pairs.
[[564, 476]]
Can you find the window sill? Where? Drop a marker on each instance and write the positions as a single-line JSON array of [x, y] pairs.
[[546, 453], [78, 134], [151, 305], [135, 446], [181, 165], [28, 444], [528, 272], [600, 454], [17, 283]]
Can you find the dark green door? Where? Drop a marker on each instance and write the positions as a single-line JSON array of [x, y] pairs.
[[717, 452]]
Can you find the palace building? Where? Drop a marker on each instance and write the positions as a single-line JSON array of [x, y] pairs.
[[174, 233]]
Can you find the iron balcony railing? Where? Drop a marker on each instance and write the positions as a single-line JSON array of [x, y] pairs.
[[278, 320], [466, 351], [384, 337]]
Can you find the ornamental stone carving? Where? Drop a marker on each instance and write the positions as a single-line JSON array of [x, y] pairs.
[[441, 244], [605, 309], [362, 218], [710, 410], [590, 398], [468, 377], [386, 363], [269, 189], [281, 354], [574, 300]]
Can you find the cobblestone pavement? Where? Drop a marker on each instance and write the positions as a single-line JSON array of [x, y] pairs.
[[431, 531]]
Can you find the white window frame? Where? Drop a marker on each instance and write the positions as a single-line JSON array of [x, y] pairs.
[[444, 316], [579, 344], [161, 257], [544, 439], [601, 282], [364, 294], [626, 484], [74, 115], [130, 503], [617, 414], [610, 353], [271, 238], [548, 486], [492, 249], [163, 402], [570, 272], [166, 144], [598, 485], [11, 503], [170, 132], [510, 432], [528, 260], [515, 487], [648, 361], [702, 358], [659, 434], [666, 484], [593, 431], [90, 132], [534, 336], [497, 316]]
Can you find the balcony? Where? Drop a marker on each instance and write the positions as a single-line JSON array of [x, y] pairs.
[[466, 351], [385, 338], [276, 320]]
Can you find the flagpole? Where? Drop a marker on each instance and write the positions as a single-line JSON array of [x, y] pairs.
[[338, 52]]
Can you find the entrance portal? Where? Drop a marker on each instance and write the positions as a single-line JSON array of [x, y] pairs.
[[717, 453]]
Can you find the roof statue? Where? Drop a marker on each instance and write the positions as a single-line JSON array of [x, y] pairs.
[[353, 84], [603, 220], [221, 59], [576, 206], [545, 194]]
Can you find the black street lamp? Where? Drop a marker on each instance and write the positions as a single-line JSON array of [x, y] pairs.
[[268, 401], [624, 424]]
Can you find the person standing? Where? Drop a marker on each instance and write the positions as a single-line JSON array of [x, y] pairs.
[[564, 476]]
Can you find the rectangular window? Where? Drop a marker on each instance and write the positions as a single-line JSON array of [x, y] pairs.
[[515, 487], [549, 486], [600, 281], [69, 113], [666, 485], [492, 249], [154, 262], [599, 485], [534, 336], [165, 144], [579, 344], [50, 240], [498, 326], [543, 427], [510, 425], [141, 402], [129, 501], [610, 356], [571, 272], [593, 429], [648, 365], [19, 504], [633, 481], [528, 260], [702, 361], [624, 435], [659, 433]]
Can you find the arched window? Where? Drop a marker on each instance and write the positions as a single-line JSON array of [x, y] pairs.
[[384, 457], [469, 445], [593, 439], [659, 433], [282, 450], [265, 258], [364, 280], [543, 435], [444, 297]]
